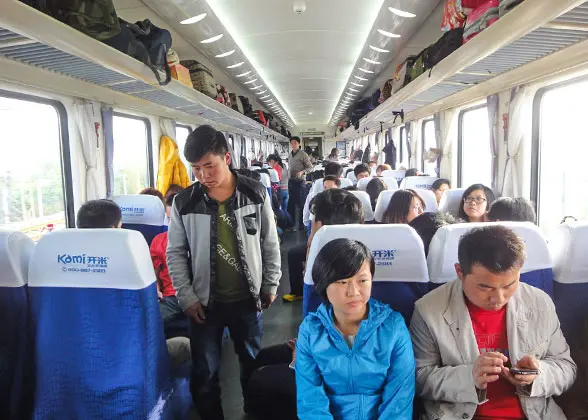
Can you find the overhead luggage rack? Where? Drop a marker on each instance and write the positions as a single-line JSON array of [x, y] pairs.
[[532, 31], [30, 37]]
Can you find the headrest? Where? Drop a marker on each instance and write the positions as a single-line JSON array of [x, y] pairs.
[[141, 209], [568, 247], [92, 258], [254, 168], [390, 182], [445, 243], [430, 199], [351, 176], [368, 212], [318, 186], [421, 182], [374, 171], [382, 204], [346, 183], [450, 201], [274, 177], [397, 250], [362, 183], [265, 180], [16, 249], [398, 175]]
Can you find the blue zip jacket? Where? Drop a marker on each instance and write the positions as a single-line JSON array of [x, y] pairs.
[[373, 380]]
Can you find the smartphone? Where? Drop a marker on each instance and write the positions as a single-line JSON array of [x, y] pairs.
[[524, 371]]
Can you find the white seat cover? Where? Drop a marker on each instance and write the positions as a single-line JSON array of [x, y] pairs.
[[382, 204], [362, 183], [141, 209], [368, 212], [265, 180], [391, 182], [274, 177], [351, 176], [254, 168], [318, 186], [16, 249], [430, 199], [418, 182], [396, 174], [450, 201], [345, 183]]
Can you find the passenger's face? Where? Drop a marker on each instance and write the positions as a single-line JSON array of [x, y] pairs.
[[379, 172], [440, 191], [168, 212], [328, 185], [349, 297], [488, 290], [415, 210], [272, 163], [475, 205], [363, 175], [212, 170], [294, 145]]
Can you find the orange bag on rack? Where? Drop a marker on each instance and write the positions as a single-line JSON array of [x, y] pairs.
[[453, 16]]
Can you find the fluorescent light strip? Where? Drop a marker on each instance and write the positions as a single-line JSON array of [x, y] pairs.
[[356, 84], [223, 55], [367, 60], [250, 81], [266, 96], [261, 93], [365, 70], [213, 39], [194, 19], [234, 66], [354, 90], [256, 87], [244, 74], [360, 78], [379, 49], [388, 34], [401, 13]]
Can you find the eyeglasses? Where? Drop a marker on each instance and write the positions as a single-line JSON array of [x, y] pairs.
[[472, 200], [418, 208]]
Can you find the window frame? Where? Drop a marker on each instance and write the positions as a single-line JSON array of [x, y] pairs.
[[401, 134], [150, 167], [423, 124], [460, 119], [64, 149]]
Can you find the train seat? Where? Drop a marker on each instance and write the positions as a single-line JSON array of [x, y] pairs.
[[382, 204], [274, 177], [351, 176], [362, 183], [398, 175], [430, 200], [100, 347], [15, 336], [390, 182], [368, 212], [450, 201], [401, 276], [418, 182], [143, 213]]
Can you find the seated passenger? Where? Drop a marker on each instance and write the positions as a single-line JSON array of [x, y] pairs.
[[351, 188], [373, 189], [404, 206], [439, 187], [382, 168], [427, 224], [354, 358], [175, 322], [154, 192], [371, 165], [361, 171], [330, 182], [475, 202], [508, 209], [412, 172], [471, 334], [99, 214], [333, 156]]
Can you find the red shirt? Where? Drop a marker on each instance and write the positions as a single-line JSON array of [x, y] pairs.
[[491, 336], [158, 257], [278, 169]]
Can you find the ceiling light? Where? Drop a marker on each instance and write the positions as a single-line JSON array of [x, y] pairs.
[[193, 19], [379, 49], [310, 113], [244, 74], [365, 70], [250, 81], [354, 90], [356, 84], [350, 94], [211, 40], [360, 78], [401, 13], [371, 61], [262, 92], [256, 87], [225, 54], [234, 66], [388, 34], [266, 96]]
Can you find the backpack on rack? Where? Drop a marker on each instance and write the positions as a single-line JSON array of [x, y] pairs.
[[259, 117], [375, 99], [223, 95], [236, 103], [402, 74], [202, 78], [247, 108], [446, 45], [419, 66]]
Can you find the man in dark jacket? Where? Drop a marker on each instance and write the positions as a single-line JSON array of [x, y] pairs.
[[223, 257], [300, 165]]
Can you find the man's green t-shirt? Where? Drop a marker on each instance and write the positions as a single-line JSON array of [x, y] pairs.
[[231, 285]]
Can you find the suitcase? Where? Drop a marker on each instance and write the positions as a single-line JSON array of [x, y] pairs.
[[507, 5], [181, 74], [202, 78], [447, 44], [402, 74], [480, 19]]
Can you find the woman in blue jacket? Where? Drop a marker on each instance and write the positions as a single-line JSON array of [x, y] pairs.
[[354, 357]]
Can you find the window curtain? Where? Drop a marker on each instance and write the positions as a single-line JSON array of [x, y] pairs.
[[107, 123], [414, 134], [447, 120], [237, 151], [519, 126], [492, 102], [438, 138], [88, 121]]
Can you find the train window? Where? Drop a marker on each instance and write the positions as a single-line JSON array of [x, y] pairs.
[[474, 151], [131, 154], [32, 192], [562, 151], [428, 142], [182, 133], [403, 155]]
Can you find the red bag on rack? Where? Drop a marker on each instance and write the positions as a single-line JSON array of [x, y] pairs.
[[453, 16]]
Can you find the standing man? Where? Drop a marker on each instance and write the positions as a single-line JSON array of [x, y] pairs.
[[224, 260], [300, 165]]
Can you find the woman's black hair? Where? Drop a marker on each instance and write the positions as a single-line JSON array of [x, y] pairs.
[[277, 158], [337, 260], [411, 172], [440, 182], [397, 210], [507, 209], [427, 224], [490, 197], [374, 188]]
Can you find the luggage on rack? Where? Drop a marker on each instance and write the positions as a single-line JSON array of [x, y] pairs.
[[507, 5], [360, 110], [172, 57], [236, 103], [259, 117], [453, 16], [419, 67], [386, 91], [447, 44], [202, 77], [181, 74], [223, 95], [247, 108], [480, 19], [402, 74]]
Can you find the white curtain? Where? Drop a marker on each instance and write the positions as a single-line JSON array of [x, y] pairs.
[[88, 120], [168, 128], [415, 141], [237, 151], [519, 132], [448, 121]]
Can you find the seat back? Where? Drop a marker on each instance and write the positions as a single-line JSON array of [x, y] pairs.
[[362, 183], [429, 197], [351, 176], [16, 356], [368, 212], [418, 182], [451, 200], [382, 204], [537, 270], [100, 347], [317, 186], [265, 180], [345, 183], [390, 182], [143, 213], [401, 276], [274, 177], [568, 247], [396, 174]]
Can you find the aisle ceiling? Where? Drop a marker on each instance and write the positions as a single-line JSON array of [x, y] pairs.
[[306, 63]]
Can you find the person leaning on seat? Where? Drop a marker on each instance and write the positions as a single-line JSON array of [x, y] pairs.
[[468, 334], [224, 261], [300, 164]]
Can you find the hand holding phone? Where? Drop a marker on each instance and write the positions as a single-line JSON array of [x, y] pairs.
[[524, 371]]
